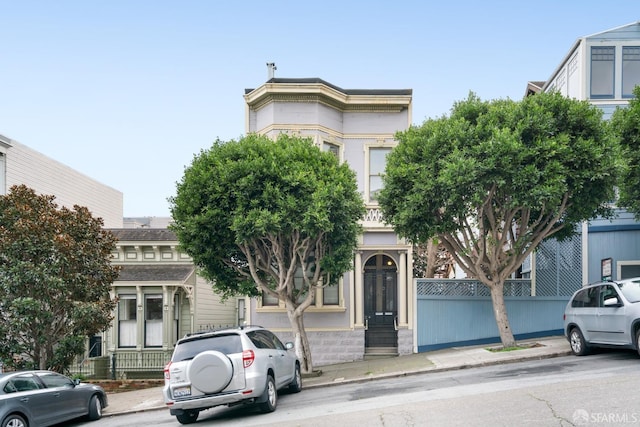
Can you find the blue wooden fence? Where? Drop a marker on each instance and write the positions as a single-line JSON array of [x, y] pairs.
[[449, 317]]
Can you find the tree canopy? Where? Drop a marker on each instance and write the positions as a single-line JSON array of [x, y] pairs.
[[495, 178], [55, 278], [626, 125], [255, 213]]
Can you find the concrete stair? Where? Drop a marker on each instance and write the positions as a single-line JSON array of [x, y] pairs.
[[372, 353]]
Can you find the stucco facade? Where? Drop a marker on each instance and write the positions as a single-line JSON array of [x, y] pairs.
[[372, 310]]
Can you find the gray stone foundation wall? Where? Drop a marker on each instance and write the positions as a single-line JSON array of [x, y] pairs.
[[405, 341], [330, 347]]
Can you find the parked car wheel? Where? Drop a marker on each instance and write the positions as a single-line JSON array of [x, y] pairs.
[[189, 417], [95, 408], [578, 345], [296, 384], [270, 396], [14, 421], [638, 340]]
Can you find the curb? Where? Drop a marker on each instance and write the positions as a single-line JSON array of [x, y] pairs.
[[443, 369], [384, 376]]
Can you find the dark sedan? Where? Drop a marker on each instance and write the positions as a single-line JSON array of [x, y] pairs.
[[44, 398]]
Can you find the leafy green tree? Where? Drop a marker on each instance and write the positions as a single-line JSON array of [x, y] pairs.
[[55, 278], [277, 218], [626, 125], [494, 179]]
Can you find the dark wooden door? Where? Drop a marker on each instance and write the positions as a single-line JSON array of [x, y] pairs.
[[380, 302]]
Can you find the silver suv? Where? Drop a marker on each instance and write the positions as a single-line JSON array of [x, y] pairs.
[[605, 314], [228, 367]]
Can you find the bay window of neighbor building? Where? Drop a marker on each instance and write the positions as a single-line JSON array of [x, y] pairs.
[[602, 71], [127, 321], [153, 320], [377, 163], [630, 70]]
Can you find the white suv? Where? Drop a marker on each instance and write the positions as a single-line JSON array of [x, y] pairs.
[[605, 314], [228, 367]]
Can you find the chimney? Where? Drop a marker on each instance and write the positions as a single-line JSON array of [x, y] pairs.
[[271, 66]]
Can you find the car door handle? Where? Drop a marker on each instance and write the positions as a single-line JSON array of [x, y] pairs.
[[56, 394], [24, 399]]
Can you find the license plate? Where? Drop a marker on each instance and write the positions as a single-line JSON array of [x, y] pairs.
[[182, 392]]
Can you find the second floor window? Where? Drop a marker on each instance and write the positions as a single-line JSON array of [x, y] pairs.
[[630, 70], [602, 71], [331, 148], [377, 164]]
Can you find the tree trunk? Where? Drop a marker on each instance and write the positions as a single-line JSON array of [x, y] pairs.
[[432, 252], [500, 313], [303, 350]]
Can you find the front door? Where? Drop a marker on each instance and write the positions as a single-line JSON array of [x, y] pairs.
[[380, 302]]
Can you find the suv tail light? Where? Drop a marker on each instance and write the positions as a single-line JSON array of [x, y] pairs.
[[247, 358], [167, 375]]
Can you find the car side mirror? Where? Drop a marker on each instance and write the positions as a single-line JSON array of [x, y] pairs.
[[612, 302], [289, 345]]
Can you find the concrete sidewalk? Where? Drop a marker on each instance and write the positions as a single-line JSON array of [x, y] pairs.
[[366, 370]]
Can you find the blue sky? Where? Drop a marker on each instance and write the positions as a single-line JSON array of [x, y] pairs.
[[128, 91]]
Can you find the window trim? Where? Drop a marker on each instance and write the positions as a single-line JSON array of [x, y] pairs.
[[318, 304]]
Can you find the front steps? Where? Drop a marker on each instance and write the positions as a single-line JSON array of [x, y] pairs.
[[371, 353]]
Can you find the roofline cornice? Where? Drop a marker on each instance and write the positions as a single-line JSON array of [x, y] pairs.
[[5, 142], [319, 92]]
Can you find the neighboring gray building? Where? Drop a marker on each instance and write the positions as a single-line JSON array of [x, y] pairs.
[[20, 164], [371, 311]]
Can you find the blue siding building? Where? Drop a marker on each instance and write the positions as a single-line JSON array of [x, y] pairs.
[[603, 68]]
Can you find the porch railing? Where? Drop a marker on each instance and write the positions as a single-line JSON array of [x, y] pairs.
[[123, 365]]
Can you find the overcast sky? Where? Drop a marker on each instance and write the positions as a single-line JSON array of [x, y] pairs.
[[128, 91]]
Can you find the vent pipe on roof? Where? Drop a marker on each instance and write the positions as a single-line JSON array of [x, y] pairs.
[[271, 66]]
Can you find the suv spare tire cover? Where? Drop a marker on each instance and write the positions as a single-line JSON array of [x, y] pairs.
[[210, 371]]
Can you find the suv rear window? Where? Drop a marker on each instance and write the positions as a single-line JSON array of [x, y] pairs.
[[190, 348]]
